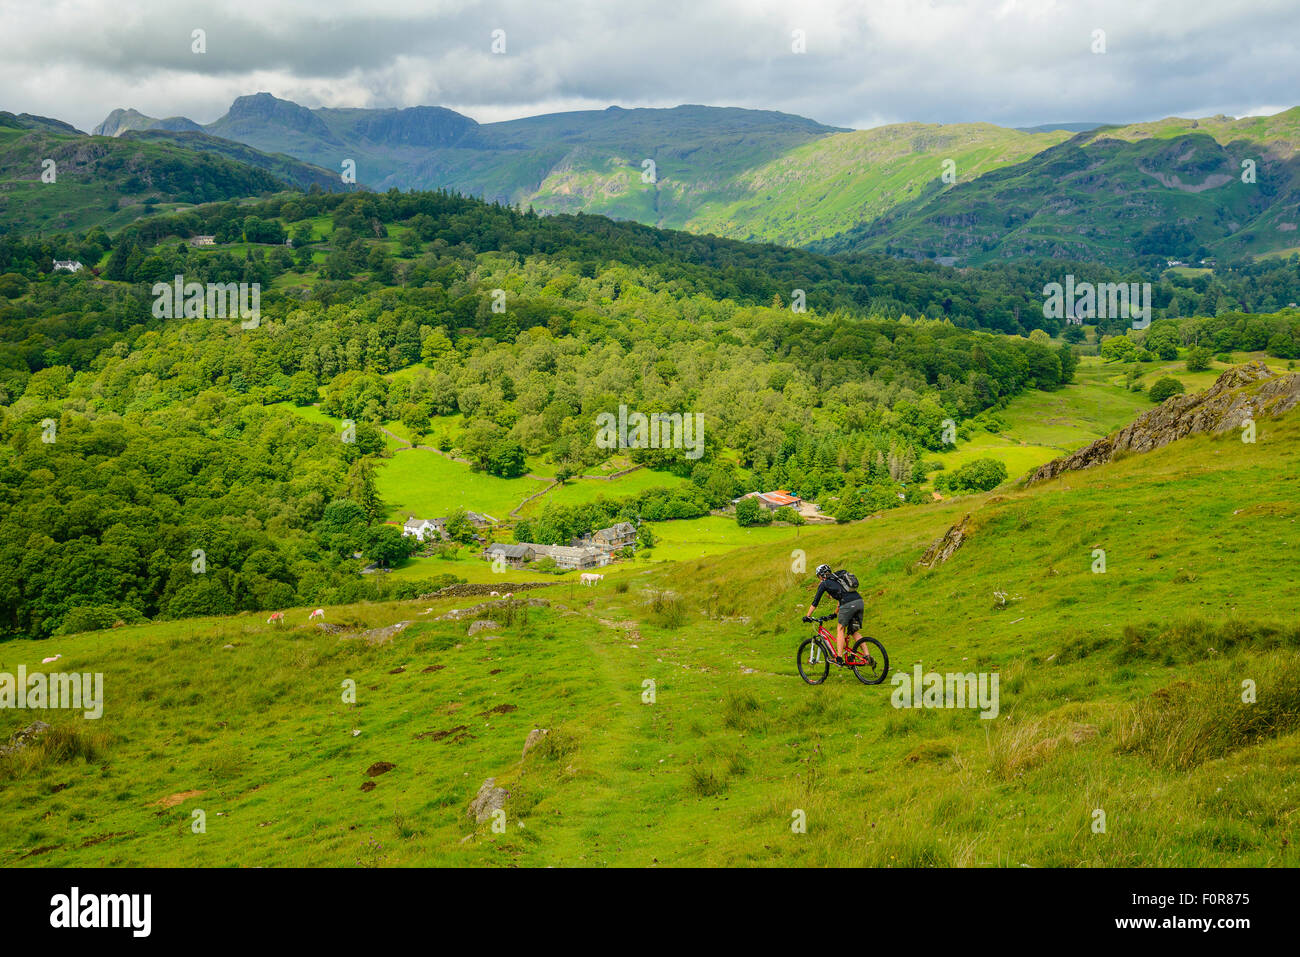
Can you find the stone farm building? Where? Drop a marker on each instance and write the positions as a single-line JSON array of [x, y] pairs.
[[567, 556], [515, 556], [616, 536], [564, 556]]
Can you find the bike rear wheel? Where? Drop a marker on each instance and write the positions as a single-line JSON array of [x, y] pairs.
[[877, 666], [813, 672]]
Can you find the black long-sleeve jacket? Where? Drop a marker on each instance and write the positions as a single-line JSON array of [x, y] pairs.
[[835, 588]]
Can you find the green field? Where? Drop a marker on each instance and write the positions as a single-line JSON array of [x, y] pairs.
[[1113, 373], [423, 483], [689, 539], [580, 491], [427, 485], [678, 540], [313, 414], [467, 565]]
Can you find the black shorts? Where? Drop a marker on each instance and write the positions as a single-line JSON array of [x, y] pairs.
[[850, 615]]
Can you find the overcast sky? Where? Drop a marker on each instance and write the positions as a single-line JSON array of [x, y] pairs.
[[1014, 62]]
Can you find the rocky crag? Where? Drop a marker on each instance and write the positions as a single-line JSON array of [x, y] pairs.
[[1249, 392]]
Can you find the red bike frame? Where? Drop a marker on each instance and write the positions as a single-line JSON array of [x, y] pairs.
[[850, 657]]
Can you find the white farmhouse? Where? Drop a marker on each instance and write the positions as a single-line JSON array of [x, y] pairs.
[[424, 529]]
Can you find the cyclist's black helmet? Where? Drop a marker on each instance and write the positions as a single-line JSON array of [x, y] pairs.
[[823, 571]]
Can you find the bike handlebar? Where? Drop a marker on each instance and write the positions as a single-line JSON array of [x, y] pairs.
[[819, 620]]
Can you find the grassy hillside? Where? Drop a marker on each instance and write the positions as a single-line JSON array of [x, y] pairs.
[[1037, 428], [1171, 188], [1119, 692], [701, 156], [834, 183], [293, 172], [111, 182]]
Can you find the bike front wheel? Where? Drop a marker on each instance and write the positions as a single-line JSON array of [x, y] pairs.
[[813, 672], [877, 661]]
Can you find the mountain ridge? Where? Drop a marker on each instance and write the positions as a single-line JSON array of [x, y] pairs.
[[960, 193], [110, 181]]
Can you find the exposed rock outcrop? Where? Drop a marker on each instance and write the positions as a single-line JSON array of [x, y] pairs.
[[534, 736], [1243, 392], [458, 613], [24, 739], [381, 636], [949, 542], [466, 590], [489, 799]]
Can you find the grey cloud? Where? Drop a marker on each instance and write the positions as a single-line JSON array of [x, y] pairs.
[[1016, 62]]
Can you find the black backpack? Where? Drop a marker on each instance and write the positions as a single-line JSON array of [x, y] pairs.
[[847, 579]]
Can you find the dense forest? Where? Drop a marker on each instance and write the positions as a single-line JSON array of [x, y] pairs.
[[149, 469], [440, 229]]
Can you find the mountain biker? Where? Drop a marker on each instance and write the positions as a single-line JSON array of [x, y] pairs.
[[850, 608]]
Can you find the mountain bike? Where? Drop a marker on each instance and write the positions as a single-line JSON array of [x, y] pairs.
[[867, 658]]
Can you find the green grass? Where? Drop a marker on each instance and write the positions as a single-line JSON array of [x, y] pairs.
[[582, 490], [712, 771], [1114, 373], [422, 483], [467, 565], [428, 485], [688, 539], [401, 431], [1070, 201], [833, 183], [313, 414]]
